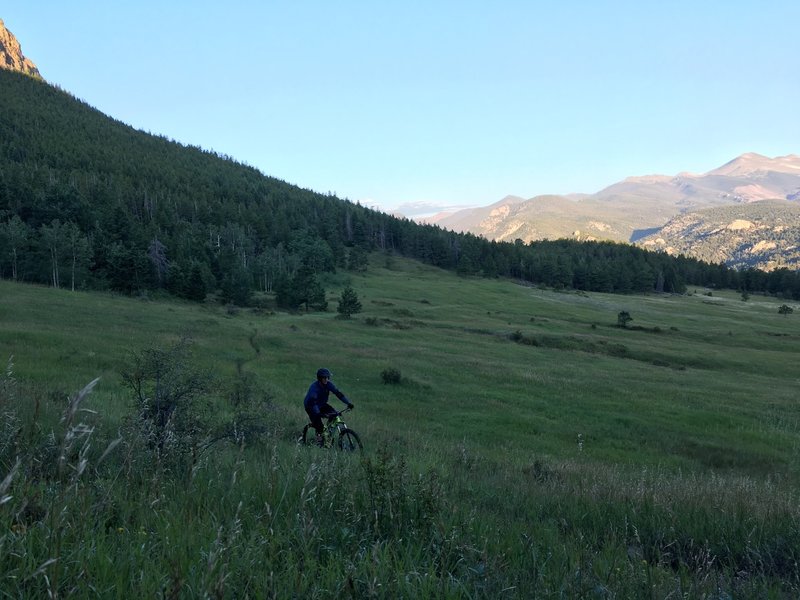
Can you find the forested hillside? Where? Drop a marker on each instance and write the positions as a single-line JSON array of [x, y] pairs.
[[89, 202]]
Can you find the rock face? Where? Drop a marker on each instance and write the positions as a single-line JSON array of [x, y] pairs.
[[11, 56], [764, 235]]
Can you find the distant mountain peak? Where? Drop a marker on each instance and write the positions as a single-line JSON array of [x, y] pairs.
[[11, 56], [648, 179], [751, 162]]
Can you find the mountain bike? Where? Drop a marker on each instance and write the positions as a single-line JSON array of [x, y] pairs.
[[335, 434]]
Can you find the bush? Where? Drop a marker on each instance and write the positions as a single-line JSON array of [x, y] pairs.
[[170, 415], [391, 376]]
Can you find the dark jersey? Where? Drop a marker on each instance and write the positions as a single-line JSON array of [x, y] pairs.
[[317, 396]]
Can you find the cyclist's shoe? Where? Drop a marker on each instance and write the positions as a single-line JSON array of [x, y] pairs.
[[320, 441]]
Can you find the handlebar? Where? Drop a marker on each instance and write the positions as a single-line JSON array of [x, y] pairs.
[[337, 413]]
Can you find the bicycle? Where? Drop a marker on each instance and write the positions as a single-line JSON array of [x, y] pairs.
[[335, 432]]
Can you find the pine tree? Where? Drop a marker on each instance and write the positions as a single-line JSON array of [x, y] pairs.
[[195, 287], [302, 289], [348, 303]]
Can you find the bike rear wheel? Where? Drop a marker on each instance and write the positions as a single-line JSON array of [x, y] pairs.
[[349, 441], [309, 436]]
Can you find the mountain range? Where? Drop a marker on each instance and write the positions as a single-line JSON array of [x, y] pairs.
[[649, 210]]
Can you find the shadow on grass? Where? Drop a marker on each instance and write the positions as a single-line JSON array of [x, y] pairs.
[[615, 350]]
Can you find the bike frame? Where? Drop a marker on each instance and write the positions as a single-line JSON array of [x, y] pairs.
[[335, 426]]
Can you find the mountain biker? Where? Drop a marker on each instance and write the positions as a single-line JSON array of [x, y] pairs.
[[316, 400]]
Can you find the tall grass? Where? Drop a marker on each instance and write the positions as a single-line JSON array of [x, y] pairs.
[[492, 469]]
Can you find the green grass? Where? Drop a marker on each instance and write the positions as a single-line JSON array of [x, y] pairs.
[[532, 449]]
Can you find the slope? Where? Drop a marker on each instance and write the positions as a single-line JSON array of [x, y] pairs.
[[90, 203]]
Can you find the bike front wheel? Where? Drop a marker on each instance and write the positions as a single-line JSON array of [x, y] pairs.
[[349, 441]]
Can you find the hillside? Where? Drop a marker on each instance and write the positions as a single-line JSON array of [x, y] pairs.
[[763, 235], [136, 211], [87, 202], [637, 206]]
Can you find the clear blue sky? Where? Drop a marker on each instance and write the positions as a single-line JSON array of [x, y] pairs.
[[448, 102]]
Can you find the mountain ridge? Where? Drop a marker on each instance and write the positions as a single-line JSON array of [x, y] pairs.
[[636, 207], [750, 162]]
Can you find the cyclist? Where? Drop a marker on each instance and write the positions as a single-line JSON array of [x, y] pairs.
[[316, 401]]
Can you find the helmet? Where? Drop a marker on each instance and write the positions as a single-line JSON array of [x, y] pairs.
[[323, 373]]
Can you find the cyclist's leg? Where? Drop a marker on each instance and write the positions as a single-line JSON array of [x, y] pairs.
[[315, 417], [328, 412]]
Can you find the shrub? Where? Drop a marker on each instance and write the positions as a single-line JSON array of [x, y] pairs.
[[170, 400], [402, 505], [391, 376]]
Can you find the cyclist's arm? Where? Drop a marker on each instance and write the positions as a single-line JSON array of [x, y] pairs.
[[335, 391]]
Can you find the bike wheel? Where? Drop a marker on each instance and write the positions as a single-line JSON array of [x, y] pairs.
[[309, 436], [349, 441]]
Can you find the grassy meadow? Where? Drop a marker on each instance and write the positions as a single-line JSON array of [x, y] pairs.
[[533, 448]]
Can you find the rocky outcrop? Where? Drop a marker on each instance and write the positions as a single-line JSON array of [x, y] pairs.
[[764, 235], [11, 56]]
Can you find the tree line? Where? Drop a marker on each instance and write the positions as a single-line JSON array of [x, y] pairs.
[[87, 202]]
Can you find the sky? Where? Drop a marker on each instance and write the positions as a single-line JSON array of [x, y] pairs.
[[433, 103]]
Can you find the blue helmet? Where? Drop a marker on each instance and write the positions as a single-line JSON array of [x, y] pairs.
[[323, 373]]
